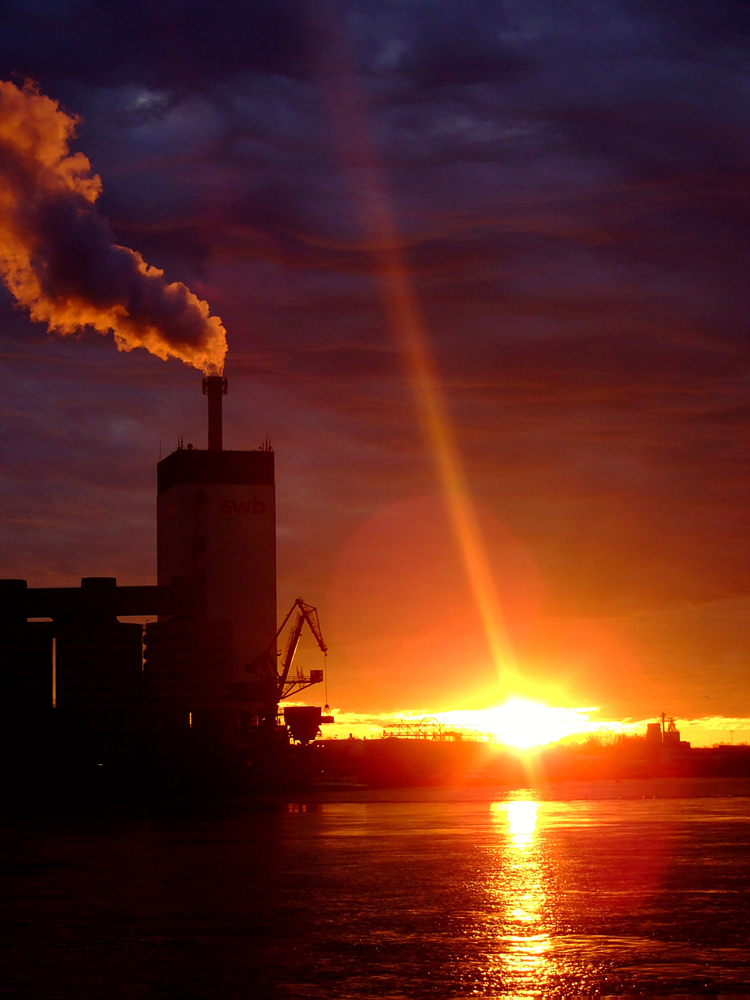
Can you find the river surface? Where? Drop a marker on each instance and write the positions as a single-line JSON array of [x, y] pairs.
[[418, 893]]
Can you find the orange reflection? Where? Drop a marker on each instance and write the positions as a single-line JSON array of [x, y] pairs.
[[523, 963], [522, 817]]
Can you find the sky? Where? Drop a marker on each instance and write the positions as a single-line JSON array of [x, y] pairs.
[[563, 181]]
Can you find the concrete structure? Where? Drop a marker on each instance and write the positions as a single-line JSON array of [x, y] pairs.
[[216, 523], [210, 660], [83, 661], [26, 655]]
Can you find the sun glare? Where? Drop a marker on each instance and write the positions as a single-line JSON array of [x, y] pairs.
[[518, 722], [522, 723], [522, 818]]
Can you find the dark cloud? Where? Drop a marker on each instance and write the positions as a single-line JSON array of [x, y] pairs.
[[175, 44]]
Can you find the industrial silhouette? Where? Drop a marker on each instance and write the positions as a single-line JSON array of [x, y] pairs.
[[205, 680]]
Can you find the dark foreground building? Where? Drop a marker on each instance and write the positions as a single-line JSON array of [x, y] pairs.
[[203, 680]]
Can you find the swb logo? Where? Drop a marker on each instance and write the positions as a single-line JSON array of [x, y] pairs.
[[252, 506]]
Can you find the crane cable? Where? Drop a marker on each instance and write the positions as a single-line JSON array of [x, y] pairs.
[[327, 708]]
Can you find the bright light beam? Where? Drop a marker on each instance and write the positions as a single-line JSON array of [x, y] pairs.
[[409, 330], [410, 333]]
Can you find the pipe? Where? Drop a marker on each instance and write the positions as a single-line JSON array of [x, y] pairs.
[[214, 386]]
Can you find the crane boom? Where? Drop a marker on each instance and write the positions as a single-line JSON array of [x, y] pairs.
[[306, 613], [270, 675]]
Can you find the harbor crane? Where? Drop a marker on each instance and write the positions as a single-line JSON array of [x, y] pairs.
[[288, 685], [273, 679]]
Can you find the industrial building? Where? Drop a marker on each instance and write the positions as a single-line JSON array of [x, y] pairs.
[[216, 528], [209, 665]]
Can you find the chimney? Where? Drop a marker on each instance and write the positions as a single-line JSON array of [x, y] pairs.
[[214, 386]]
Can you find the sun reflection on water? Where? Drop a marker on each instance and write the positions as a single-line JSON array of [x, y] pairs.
[[522, 963], [522, 816]]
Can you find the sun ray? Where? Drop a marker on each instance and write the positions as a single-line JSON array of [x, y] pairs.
[[374, 207]]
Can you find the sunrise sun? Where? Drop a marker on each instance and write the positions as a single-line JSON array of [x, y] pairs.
[[522, 723]]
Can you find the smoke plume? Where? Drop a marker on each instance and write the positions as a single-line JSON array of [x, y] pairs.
[[59, 258]]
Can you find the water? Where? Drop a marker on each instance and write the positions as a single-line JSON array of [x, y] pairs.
[[435, 893]]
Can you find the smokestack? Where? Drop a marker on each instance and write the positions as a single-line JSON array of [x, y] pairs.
[[214, 386]]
